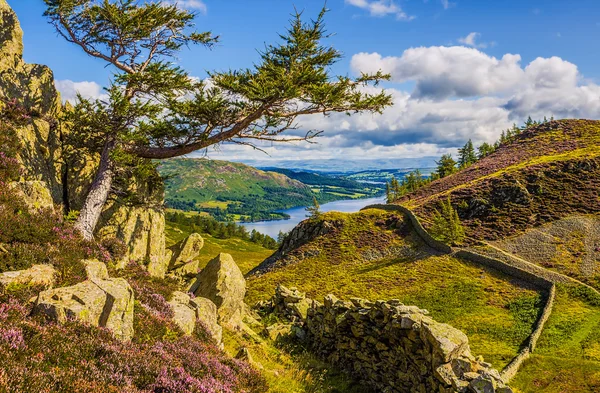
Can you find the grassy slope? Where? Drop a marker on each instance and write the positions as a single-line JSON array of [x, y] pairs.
[[547, 173], [245, 253], [205, 180], [470, 298], [567, 358], [569, 246]]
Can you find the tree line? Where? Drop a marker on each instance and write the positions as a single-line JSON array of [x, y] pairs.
[[220, 230], [447, 165]]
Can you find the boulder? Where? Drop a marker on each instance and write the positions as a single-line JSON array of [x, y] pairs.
[[446, 341], [37, 275], [183, 315], [188, 270], [95, 270], [141, 228], [222, 282], [188, 250], [206, 313], [100, 302], [188, 311]]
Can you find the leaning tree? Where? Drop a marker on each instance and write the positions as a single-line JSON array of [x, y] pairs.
[[155, 110]]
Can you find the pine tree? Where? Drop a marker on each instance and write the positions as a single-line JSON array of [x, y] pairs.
[[155, 110], [466, 155], [485, 150], [314, 211], [446, 166], [446, 224], [281, 237]]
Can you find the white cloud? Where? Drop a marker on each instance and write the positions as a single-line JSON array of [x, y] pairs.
[[69, 89], [471, 40], [441, 72], [460, 93], [380, 8], [455, 93], [190, 4]]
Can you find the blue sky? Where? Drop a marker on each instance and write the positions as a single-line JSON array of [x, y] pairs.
[[461, 69]]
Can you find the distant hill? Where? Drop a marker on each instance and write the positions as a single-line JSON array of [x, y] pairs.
[[317, 179], [547, 173], [219, 186], [230, 190]]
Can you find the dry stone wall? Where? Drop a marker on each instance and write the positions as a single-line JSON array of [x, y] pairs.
[[387, 345]]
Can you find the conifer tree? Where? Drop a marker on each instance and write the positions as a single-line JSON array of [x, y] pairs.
[[155, 110], [485, 150], [466, 155], [446, 166], [446, 224], [314, 211]]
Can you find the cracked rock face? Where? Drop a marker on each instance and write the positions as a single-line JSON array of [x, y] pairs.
[[222, 282], [188, 311], [100, 301]]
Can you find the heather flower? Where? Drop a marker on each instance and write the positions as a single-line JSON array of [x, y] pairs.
[[13, 338]]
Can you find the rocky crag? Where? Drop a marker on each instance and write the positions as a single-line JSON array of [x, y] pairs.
[[53, 170]]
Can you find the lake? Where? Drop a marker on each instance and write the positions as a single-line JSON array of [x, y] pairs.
[[298, 214]]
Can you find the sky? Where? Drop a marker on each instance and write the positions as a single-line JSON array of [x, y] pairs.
[[463, 69]]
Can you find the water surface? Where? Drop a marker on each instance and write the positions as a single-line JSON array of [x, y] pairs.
[[298, 214]]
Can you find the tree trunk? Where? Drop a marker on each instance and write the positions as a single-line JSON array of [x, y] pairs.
[[98, 194]]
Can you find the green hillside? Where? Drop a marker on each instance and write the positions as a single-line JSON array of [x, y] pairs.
[[229, 190]]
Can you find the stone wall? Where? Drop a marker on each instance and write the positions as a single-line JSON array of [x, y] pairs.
[[427, 238], [386, 345], [523, 270]]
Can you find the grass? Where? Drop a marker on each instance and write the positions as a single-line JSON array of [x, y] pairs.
[[567, 358], [245, 253], [493, 311], [289, 368]]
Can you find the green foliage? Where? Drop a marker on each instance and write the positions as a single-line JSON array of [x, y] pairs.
[[204, 224], [446, 224], [485, 150], [412, 181], [445, 166], [466, 155], [314, 211]]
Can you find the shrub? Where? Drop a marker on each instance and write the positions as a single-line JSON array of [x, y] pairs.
[[446, 224]]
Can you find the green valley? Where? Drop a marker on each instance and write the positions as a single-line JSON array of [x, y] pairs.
[[234, 191]]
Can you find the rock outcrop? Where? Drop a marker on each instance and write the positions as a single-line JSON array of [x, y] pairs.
[[99, 301], [302, 234], [36, 276], [183, 262], [31, 86], [188, 311], [67, 176], [34, 193], [222, 282], [387, 345]]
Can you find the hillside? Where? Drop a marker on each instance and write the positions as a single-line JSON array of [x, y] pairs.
[[547, 173], [376, 255], [235, 189], [231, 190]]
